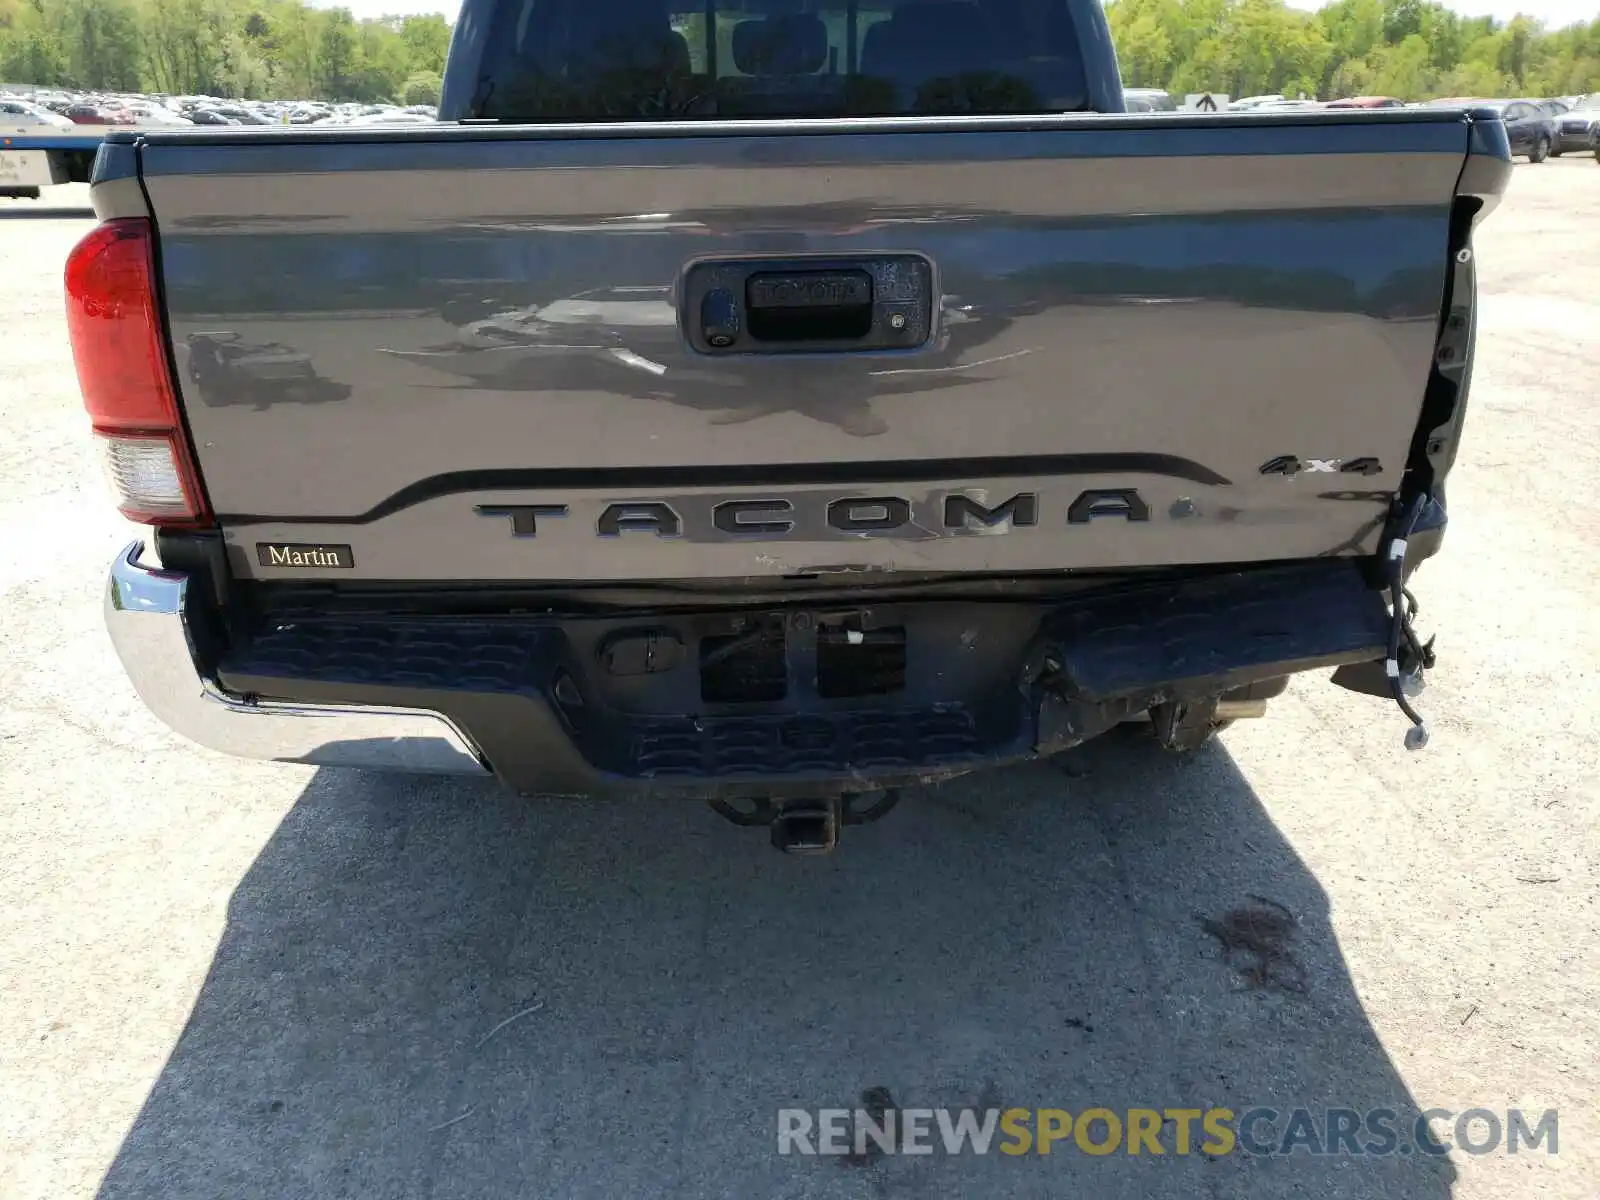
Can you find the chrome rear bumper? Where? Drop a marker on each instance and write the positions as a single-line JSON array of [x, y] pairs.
[[149, 615]]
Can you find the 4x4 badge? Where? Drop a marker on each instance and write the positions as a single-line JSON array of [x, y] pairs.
[[1288, 464]]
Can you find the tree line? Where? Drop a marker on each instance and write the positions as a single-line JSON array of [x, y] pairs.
[[250, 49], [1413, 49]]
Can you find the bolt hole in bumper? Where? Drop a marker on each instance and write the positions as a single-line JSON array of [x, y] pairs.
[[552, 704], [152, 616]]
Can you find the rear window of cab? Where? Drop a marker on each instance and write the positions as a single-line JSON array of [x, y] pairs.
[[613, 60]]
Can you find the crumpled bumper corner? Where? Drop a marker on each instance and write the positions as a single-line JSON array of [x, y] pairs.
[[151, 615]]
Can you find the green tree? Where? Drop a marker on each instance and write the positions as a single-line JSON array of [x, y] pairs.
[[1143, 35], [30, 53], [335, 67], [290, 48], [182, 40], [1474, 79], [100, 40], [240, 70], [1403, 19], [1259, 46], [1512, 52], [1414, 49], [1352, 28], [383, 61], [1403, 70], [427, 39], [423, 88]]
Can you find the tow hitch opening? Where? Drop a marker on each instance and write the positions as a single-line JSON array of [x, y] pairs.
[[812, 825], [807, 827]]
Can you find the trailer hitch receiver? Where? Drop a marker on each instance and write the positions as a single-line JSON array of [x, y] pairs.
[[811, 825], [807, 826]]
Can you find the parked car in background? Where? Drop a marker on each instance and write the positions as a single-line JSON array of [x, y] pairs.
[[392, 118], [1366, 102], [1555, 110], [1147, 100], [90, 114], [1530, 130], [1578, 125], [27, 112], [241, 115], [19, 114], [150, 113], [1248, 102]]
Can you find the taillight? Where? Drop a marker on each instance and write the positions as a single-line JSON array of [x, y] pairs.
[[117, 345]]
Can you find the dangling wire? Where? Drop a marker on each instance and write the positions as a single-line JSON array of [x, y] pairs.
[[1404, 605]]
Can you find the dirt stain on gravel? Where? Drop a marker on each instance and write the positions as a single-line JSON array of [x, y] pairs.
[[877, 1103], [1256, 940]]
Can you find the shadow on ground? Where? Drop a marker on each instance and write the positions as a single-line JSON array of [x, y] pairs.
[[1041, 937]]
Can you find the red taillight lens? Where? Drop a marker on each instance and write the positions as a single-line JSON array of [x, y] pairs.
[[122, 371]]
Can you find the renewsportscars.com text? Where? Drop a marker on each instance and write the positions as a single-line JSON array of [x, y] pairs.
[[1257, 1131]]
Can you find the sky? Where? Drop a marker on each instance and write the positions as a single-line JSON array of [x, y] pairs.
[[1554, 13]]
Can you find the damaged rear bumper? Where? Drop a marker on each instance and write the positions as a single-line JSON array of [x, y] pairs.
[[797, 699], [158, 622]]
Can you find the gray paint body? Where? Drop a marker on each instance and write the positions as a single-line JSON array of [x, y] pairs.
[[376, 316]]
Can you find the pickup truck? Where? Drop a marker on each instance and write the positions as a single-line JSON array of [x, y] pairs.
[[773, 405]]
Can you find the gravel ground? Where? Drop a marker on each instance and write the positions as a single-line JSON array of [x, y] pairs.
[[221, 978]]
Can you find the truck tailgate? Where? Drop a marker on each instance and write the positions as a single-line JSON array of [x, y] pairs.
[[467, 353]]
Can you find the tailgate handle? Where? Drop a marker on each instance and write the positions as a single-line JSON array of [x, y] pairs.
[[809, 306]]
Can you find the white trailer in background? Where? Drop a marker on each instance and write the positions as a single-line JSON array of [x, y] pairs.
[[34, 158]]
